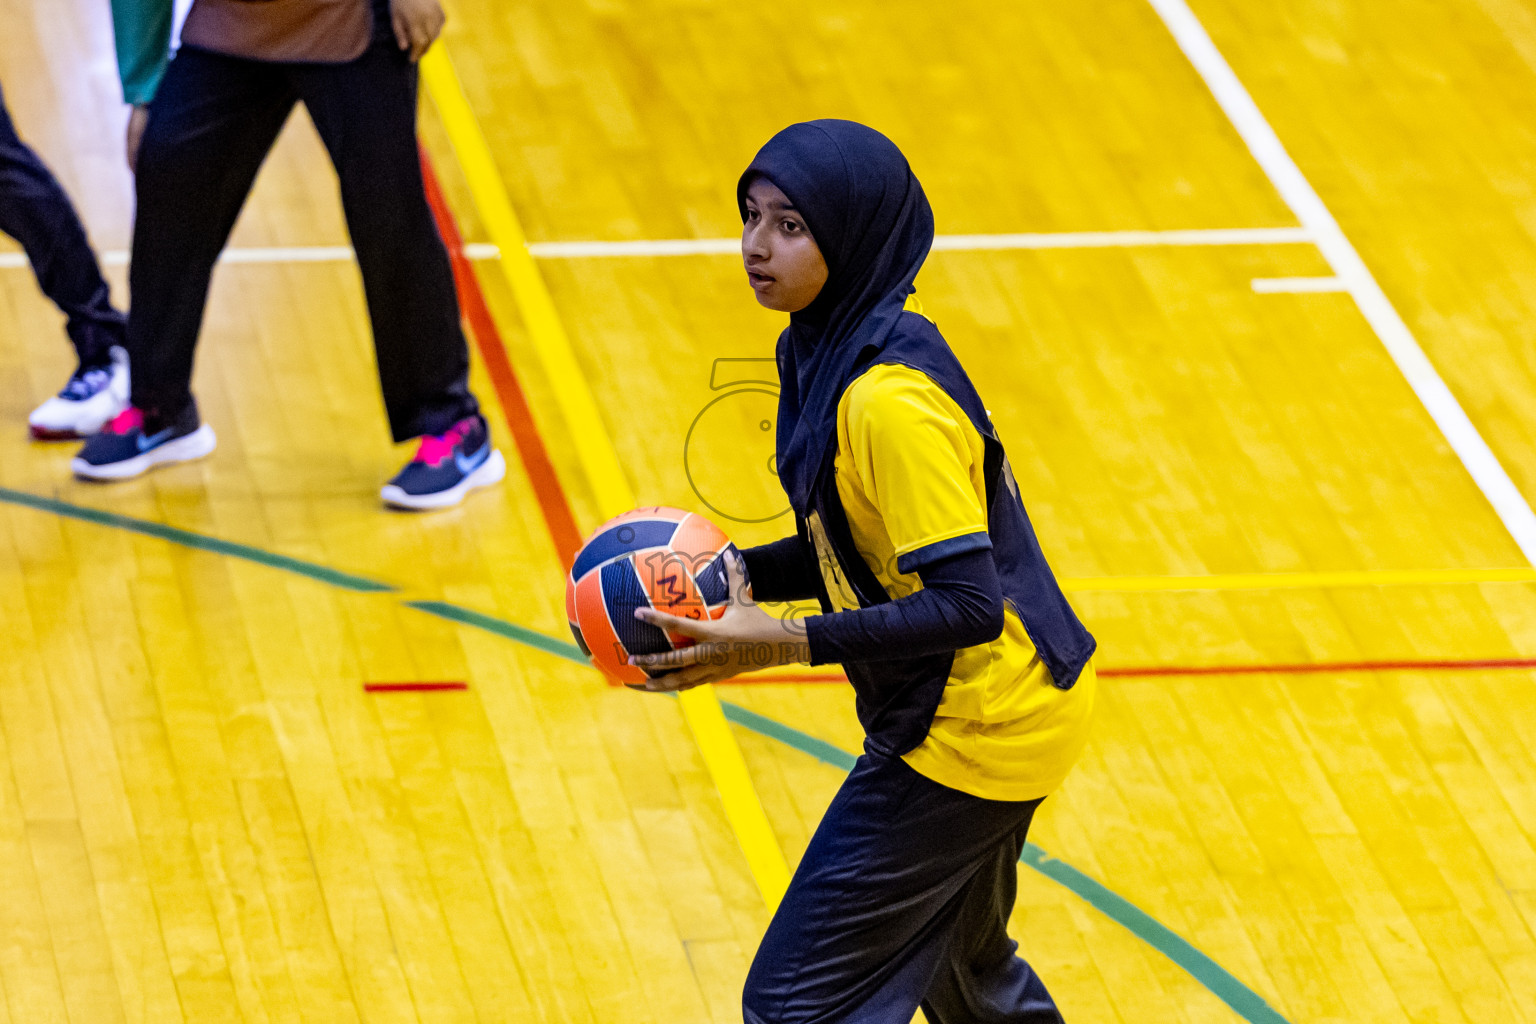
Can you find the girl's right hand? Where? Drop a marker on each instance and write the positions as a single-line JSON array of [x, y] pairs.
[[137, 119], [744, 639]]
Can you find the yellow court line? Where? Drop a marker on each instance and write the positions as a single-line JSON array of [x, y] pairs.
[[594, 449], [1295, 580], [599, 460]]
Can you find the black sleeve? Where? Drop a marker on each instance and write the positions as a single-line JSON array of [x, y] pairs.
[[960, 605], [782, 571]]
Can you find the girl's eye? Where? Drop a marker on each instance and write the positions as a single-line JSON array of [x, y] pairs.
[[791, 227]]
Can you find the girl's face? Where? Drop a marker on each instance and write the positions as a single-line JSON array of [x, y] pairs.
[[784, 264]]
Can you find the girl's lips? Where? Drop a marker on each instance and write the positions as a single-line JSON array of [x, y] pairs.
[[758, 280]]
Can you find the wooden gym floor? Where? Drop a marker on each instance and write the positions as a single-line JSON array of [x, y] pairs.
[[205, 817]]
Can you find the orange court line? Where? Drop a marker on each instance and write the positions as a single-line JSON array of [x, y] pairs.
[[514, 402]]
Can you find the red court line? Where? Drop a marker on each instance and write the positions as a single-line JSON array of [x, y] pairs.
[[1306, 668], [514, 403], [788, 677], [1310, 668], [412, 687]]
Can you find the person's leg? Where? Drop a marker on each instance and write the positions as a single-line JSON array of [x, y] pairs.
[[365, 111], [981, 979], [210, 127], [875, 904], [36, 212]]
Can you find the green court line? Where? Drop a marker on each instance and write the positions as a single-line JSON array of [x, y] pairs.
[[804, 742], [1243, 1000], [201, 542], [501, 627], [1247, 1003]]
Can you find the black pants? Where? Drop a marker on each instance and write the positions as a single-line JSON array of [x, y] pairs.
[[211, 125], [902, 900], [35, 211]]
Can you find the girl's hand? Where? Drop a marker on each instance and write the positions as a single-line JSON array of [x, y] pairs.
[[744, 639], [416, 24], [138, 117]]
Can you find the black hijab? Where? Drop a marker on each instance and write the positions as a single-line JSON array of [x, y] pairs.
[[874, 227]]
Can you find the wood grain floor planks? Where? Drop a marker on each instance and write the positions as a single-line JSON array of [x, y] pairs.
[[204, 817]]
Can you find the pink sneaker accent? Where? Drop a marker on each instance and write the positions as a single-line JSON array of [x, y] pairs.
[[435, 448], [126, 422]]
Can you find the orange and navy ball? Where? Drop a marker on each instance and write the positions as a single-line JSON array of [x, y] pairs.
[[662, 558]]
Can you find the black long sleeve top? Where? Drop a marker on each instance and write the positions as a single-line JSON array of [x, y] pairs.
[[960, 605]]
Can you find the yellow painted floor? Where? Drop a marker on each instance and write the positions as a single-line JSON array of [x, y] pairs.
[[203, 817]]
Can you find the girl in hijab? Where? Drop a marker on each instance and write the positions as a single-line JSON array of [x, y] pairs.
[[971, 672]]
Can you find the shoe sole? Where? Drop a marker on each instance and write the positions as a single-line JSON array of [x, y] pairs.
[[80, 429], [49, 434], [184, 449], [487, 473]]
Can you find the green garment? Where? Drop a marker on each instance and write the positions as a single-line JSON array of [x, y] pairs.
[[143, 31]]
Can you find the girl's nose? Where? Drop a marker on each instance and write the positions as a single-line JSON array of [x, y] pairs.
[[752, 245]]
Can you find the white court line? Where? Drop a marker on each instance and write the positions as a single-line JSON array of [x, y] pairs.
[[284, 254], [1277, 285], [640, 247], [272, 254], [945, 243], [1265, 145], [1121, 239], [289, 254], [732, 246]]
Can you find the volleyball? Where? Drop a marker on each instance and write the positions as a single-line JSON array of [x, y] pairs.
[[662, 558]]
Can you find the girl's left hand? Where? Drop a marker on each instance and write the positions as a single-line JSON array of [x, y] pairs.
[[744, 639]]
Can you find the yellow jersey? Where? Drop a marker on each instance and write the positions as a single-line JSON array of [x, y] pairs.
[[909, 474]]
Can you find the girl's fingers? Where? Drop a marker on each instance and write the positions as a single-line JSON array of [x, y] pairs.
[[670, 683], [699, 629], [683, 657], [402, 31], [686, 679]]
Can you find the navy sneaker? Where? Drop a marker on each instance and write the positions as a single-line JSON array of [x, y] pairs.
[[133, 443], [446, 467]]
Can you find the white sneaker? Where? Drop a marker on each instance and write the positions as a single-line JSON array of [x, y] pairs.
[[90, 401]]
